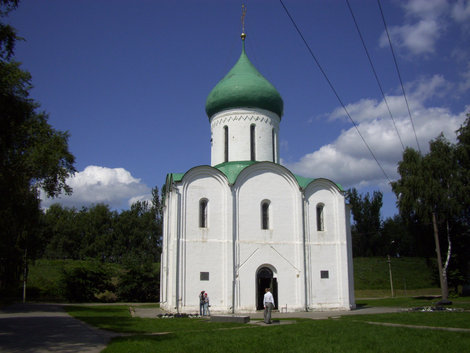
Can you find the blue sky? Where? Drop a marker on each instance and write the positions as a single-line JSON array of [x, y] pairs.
[[129, 81]]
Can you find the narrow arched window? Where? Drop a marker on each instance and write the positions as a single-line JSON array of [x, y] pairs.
[[203, 213], [225, 143], [320, 223], [252, 143], [274, 145], [265, 215]]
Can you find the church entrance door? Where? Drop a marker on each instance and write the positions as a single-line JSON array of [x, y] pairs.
[[265, 279]]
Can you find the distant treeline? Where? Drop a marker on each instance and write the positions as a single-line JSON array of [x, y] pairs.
[[96, 254], [102, 234]]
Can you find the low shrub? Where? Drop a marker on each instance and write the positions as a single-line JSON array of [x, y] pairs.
[[106, 297], [140, 283], [83, 280]]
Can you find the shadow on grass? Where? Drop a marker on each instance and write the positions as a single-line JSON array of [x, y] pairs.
[[115, 310], [140, 343], [31, 307]]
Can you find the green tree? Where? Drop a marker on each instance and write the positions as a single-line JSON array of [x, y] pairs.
[[96, 232], [140, 282], [367, 224], [8, 36], [427, 191], [84, 280], [397, 238], [137, 235], [62, 233], [462, 230], [33, 156]]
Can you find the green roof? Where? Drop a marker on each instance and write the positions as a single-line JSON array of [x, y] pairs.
[[232, 169], [244, 87], [303, 182]]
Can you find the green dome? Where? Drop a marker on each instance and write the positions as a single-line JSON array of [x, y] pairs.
[[244, 87]]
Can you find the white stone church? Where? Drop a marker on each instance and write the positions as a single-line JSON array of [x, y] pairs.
[[245, 222]]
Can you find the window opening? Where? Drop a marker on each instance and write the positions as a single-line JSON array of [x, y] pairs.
[[320, 224], [204, 276], [265, 215], [252, 143], [203, 213], [274, 146], [225, 143]]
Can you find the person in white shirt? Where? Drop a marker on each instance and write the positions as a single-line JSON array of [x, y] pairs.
[[268, 303]]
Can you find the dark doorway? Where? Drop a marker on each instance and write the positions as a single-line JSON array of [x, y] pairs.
[[265, 279]]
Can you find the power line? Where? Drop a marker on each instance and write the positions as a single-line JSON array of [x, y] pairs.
[[399, 75], [375, 73], [333, 89]]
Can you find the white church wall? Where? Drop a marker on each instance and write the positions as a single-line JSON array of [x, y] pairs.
[[280, 246], [168, 266], [325, 291], [289, 277], [268, 182], [350, 294], [238, 122], [328, 248], [206, 251]]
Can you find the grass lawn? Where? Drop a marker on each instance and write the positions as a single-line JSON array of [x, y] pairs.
[[413, 302], [435, 319], [348, 334], [118, 319]]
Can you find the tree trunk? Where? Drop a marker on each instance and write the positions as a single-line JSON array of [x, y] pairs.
[[442, 274], [449, 251]]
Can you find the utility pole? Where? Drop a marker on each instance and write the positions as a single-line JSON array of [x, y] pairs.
[[390, 271], [25, 274]]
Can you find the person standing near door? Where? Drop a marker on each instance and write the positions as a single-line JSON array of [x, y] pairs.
[[268, 302], [201, 303], [206, 305]]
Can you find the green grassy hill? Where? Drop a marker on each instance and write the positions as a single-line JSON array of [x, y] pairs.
[[46, 276], [411, 276]]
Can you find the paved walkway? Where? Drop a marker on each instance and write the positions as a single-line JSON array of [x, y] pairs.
[[315, 315], [38, 328]]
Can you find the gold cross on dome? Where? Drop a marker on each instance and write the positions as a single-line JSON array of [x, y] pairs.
[[243, 17]]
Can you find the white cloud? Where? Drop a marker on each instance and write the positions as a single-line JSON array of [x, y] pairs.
[[425, 8], [461, 11], [465, 84], [112, 186], [426, 23], [424, 89], [284, 145], [418, 92], [141, 198], [418, 38], [370, 109], [348, 161]]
